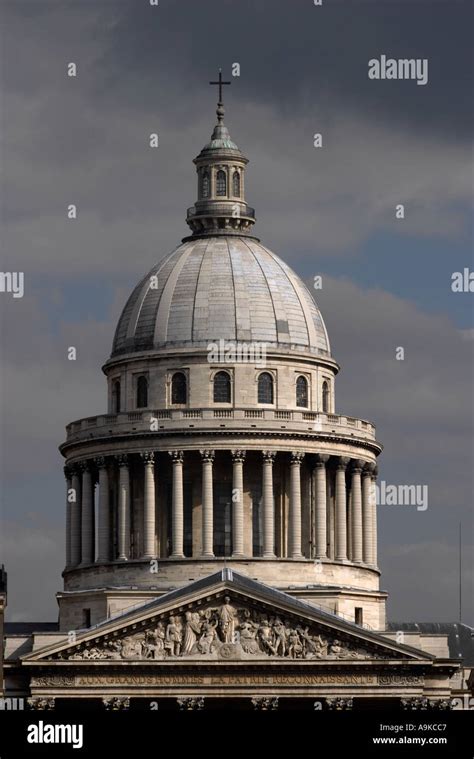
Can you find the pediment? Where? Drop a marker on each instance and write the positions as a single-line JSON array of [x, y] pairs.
[[226, 619]]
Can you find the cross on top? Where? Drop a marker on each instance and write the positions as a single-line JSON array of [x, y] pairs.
[[220, 82]]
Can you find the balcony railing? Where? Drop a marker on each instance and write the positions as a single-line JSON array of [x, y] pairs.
[[133, 422], [225, 208]]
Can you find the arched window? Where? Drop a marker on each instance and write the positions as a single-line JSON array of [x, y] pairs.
[[205, 185], [236, 184], [265, 388], [142, 392], [302, 392], [221, 183], [325, 397], [116, 397], [178, 388], [222, 390]]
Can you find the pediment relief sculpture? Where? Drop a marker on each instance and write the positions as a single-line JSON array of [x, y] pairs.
[[225, 631]]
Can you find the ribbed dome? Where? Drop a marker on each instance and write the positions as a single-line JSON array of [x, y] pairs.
[[213, 288]]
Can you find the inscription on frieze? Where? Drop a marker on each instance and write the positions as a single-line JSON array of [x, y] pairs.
[[230, 680]]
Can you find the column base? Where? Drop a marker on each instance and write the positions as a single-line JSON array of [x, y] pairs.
[[269, 555], [147, 556], [122, 558], [238, 555], [177, 556], [297, 556]]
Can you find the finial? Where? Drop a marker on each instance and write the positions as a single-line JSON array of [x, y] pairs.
[[220, 104]]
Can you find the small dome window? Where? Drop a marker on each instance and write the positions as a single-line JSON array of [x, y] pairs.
[[142, 392], [221, 183], [116, 403], [222, 388], [302, 392], [325, 397], [179, 388], [236, 184], [205, 185], [265, 388]]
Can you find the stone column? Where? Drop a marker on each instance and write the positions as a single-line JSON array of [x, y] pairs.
[[87, 515], [190, 704], [123, 509], [356, 511], [265, 703], [268, 506], [321, 506], [116, 703], [367, 515], [295, 504], [45, 703], [104, 512], [207, 504], [177, 507], [238, 458], [341, 527], [149, 549], [68, 476], [76, 517], [339, 704], [373, 499]]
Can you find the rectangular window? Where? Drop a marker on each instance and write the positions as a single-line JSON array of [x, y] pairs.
[[359, 615], [86, 618]]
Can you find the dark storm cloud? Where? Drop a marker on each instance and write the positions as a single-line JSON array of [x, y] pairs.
[[293, 55]]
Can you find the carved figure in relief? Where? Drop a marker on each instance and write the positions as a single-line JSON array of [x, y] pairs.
[[295, 647], [208, 637], [192, 629], [266, 636], [173, 636], [280, 637], [248, 637], [227, 621]]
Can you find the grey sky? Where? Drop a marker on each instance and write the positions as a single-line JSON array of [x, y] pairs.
[[386, 283]]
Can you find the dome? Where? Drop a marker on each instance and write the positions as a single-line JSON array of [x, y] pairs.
[[223, 287]]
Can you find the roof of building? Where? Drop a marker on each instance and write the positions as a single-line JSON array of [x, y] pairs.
[[226, 287], [460, 636]]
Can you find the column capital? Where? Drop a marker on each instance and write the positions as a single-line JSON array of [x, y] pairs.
[[84, 466], [297, 457], [176, 456], [368, 469], [357, 465], [207, 456], [375, 472], [342, 462], [100, 462], [68, 471], [238, 456], [321, 459], [116, 703], [40, 702], [148, 457], [269, 456], [123, 459]]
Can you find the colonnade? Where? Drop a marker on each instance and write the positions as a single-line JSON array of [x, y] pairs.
[[353, 510]]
